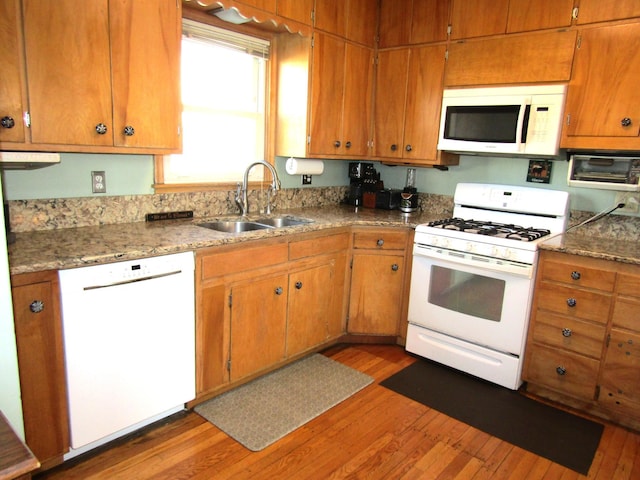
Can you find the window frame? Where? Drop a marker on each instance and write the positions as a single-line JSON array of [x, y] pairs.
[[159, 184]]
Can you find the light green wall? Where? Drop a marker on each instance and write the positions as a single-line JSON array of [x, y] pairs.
[[125, 175], [133, 175]]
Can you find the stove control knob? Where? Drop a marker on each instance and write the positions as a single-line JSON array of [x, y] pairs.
[[495, 252], [469, 247]]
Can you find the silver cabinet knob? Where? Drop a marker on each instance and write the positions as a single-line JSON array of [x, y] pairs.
[[380, 242], [575, 275], [278, 291], [626, 122], [7, 122], [395, 267], [101, 128], [129, 131], [560, 370], [572, 302], [36, 306], [566, 332]]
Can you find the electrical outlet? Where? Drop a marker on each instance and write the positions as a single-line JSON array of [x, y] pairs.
[[98, 182], [306, 179], [631, 201]]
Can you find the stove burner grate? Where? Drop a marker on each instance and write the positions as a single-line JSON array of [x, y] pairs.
[[491, 229]]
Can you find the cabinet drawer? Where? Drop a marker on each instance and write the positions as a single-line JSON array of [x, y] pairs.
[[587, 305], [569, 333], [381, 240], [241, 259], [629, 285], [564, 372], [626, 313], [318, 246], [578, 274]]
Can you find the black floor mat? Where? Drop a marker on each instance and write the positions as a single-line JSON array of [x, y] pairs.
[[549, 432]]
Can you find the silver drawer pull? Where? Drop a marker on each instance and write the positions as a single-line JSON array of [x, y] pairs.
[[566, 332], [561, 370]]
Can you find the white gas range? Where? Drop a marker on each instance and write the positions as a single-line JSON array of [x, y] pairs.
[[473, 275]]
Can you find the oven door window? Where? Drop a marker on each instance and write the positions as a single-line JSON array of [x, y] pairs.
[[468, 293]]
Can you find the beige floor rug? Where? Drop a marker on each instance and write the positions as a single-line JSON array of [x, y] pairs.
[[263, 411]]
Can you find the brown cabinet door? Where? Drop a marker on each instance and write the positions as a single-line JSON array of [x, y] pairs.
[[389, 103], [258, 325], [377, 284], [532, 58], [358, 86], [430, 20], [69, 71], [36, 310], [424, 102], [331, 16], [11, 101], [603, 99], [478, 18], [327, 90], [298, 10], [311, 304], [362, 21], [266, 5], [527, 15], [395, 22], [145, 56], [592, 11], [620, 389]]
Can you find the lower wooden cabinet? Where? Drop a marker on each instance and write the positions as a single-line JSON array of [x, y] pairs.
[[38, 327], [379, 276], [262, 303], [584, 338]]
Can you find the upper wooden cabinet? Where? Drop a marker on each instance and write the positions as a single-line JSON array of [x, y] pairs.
[[355, 20], [531, 58], [95, 73], [298, 10], [324, 97], [405, 22], [603, 99], [407, 106], [11, 81], [266, 5], [494, 17], [591, 11]]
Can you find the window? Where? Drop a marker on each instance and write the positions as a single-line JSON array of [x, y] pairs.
[[224, 92]]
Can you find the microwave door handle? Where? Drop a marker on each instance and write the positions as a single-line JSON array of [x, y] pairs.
[[521, 127]]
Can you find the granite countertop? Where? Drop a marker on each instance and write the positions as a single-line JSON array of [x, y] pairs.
[[625, 251], [75, 247]]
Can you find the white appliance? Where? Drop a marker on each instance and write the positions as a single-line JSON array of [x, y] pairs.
[[473, 275], [523, 120], [129, 339]]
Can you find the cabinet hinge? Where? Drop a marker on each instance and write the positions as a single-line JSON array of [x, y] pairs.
[[27, 119], [309, 140], [568, 119], [597, 396], [230, 299], [313, 41], [229, 365], [448, 29], [608, 340], [574, 13], [446, 55], [375, 60], [351, 263], [579, 42]]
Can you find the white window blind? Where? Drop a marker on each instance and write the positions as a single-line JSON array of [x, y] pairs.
[[223, 76]]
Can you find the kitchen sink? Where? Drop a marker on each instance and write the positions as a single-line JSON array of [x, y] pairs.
[[238, 226], [278, 222]]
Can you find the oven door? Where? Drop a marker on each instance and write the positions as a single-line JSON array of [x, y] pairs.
[[482, 301]]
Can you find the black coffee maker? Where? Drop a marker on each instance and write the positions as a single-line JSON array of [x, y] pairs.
[[363, 178]]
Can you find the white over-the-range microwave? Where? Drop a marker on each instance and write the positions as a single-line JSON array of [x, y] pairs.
[[520, 120]]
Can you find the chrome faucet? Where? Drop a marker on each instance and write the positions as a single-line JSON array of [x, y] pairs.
[[242, 194]]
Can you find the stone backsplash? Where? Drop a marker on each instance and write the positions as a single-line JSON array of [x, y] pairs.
[[49, 214]]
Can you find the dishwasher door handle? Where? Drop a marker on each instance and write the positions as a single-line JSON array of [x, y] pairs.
[[133, 280]]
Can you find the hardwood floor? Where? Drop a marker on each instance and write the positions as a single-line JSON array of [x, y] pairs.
[[376, 434]]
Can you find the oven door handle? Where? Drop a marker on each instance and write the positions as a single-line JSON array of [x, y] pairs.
[[471, 259]]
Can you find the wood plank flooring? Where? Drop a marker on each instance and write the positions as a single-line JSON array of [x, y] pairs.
[[376, 434]]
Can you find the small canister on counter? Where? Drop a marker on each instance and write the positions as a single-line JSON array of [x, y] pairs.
[[409, 195]]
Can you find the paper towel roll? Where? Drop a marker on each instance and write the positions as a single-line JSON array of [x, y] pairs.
[[304, 167]]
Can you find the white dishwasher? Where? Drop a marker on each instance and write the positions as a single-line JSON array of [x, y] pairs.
[[129, 340]]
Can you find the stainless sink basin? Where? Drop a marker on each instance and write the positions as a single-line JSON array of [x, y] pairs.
[[278, 222], [234, 226]]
